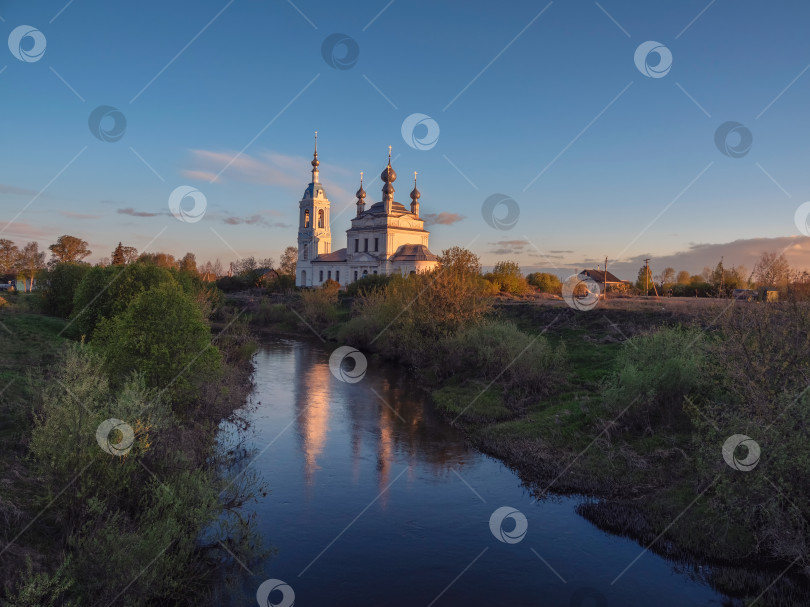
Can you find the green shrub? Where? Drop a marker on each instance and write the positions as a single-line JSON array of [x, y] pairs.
[[163, 336], [654, 373], [367, 284], [524, 365], [58, 286]]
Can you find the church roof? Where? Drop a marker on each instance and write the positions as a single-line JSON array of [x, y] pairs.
[[339, 255], [414, 252], [378, 208], [599, 276]]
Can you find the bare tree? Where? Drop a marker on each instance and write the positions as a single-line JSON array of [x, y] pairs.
[[772, 270]]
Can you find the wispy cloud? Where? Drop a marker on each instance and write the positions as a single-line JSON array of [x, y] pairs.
[[509, 247], [443, 218], [10, 189], [73, 215], [132, 212]]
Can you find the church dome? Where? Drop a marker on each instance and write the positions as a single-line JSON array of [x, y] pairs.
[[415, 195], [388, 175], [361, 193]]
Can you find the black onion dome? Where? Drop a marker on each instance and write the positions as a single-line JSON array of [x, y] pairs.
[[415, 195]]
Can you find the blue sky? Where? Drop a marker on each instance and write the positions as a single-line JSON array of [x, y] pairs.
[[627, 164]]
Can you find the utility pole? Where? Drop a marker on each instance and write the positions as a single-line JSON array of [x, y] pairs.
[[647, 277], [604, 280]]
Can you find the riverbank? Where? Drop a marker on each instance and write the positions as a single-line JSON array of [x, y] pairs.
[[79, 522], [642, 454]]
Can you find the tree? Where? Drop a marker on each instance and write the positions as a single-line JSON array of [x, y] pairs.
[[667, 277], [163, 336], [288, 261], [189, 264], [118, 258], [29, 262], [460, 259], [61, 281], [8, 256], [161, 260], [683, 277], [645, 279], [772, 270], [69, 249], [509, 278], [545, 282]]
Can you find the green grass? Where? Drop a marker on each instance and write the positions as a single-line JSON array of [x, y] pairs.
[[30, 345], [471, 403]]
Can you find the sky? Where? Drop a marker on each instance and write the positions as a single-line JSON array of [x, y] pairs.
[[552, 133]]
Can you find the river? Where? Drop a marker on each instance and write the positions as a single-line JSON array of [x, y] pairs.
[[375, 500]]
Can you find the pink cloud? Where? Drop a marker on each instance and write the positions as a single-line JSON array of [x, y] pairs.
[[73, 215], [441, 218]]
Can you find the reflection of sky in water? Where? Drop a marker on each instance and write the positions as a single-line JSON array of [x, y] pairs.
[[378, 502]]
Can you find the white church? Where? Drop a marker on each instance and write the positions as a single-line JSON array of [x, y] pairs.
[[384, 238]]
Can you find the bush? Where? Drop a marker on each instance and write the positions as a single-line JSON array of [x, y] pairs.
[[526, 366], [655, 372], [106, 292], [318, 307], [545, 282], [58, 286], [367, 284], [162, 335]]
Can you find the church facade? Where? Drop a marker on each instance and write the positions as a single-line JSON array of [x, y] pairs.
[[384, 238]]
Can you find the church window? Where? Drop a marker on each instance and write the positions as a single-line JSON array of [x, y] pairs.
[[355, 274], [365, 244], [306, 218], [376, 244], [306, 252], [356, 245], [365, 273], [320, 276], [337, 275], [329, 275], [320, 218], [375, 272]]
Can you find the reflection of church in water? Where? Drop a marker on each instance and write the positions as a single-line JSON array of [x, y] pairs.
[[384, 238], [398, 430]]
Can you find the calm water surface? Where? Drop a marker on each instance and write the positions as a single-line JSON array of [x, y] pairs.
[[375, 500]]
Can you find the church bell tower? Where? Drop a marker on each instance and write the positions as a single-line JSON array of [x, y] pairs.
[[314, 235]]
